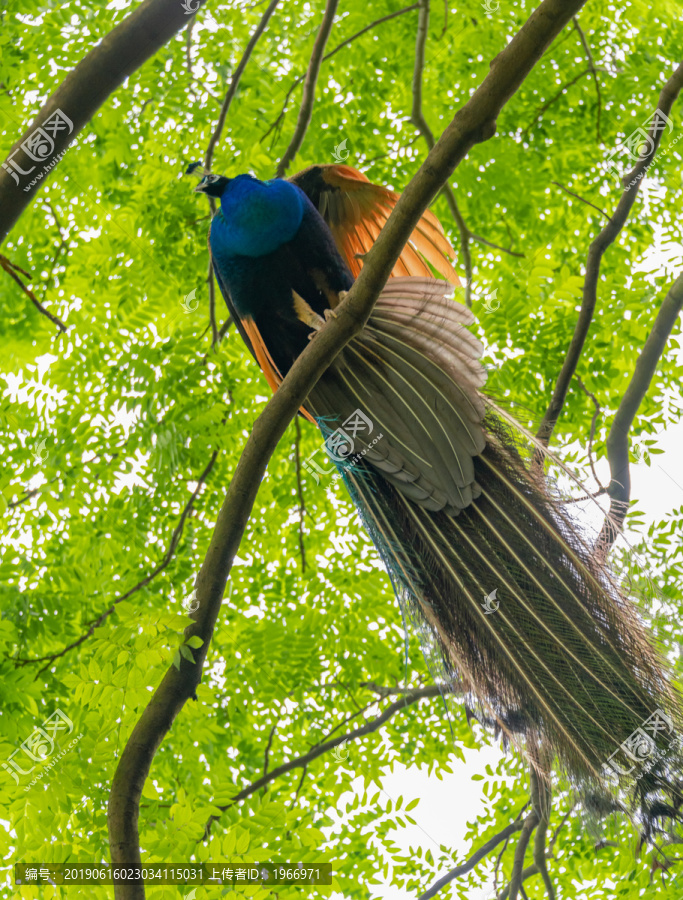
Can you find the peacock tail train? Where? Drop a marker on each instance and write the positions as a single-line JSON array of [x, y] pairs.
[[526, 615]]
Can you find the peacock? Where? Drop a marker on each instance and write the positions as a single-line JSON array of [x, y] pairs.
[[561, 663]]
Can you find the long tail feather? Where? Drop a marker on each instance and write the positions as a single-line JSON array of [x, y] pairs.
[[562, 659]]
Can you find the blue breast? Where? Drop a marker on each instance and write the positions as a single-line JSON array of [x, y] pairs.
[[256, 217]]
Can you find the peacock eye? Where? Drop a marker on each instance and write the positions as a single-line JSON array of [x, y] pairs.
[[211, 178]]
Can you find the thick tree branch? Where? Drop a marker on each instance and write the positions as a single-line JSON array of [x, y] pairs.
[[617, 440], [540, 798], [83, 91], [595, 253], [473, 123], [517, 877], [308, 98]]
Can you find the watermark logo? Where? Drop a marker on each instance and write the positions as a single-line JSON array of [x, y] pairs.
[[490, 603], [341, 444], [186, 302], [641, 453], [640, 749], [40, 454], [191, 604], [490, 6], [40, 745], [639, 144], [40, 146], [189, 8], [340, 152], [490, 302], [340, 752]]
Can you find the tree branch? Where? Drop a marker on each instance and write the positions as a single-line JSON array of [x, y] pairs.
[[300, 492], [303, 761], [549, 103], [418, 119], [476, 857], [12, 270], [306, 109], [234, 83], [619, 488], [473, 123], [594, 73], [83, 91], [540, 798], [595, 253], [168, 556], [594, 421], [517, 877], [297, 81], [582, 199]]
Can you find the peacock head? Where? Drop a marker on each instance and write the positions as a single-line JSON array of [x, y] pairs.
[[213, 185]]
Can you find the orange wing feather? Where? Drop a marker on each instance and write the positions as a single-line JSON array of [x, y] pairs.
[[265, 360], [357, 211]]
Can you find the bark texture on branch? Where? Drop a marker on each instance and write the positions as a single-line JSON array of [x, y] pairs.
[[596, 251], [619, 489], [83, 91], [475, 122]]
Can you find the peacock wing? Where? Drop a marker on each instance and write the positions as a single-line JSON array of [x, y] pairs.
[[356, 209], [404, 395]]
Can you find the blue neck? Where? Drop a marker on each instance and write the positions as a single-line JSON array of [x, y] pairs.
[[256, 216]]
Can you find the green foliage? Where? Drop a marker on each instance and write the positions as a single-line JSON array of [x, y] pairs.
[[106, 430]]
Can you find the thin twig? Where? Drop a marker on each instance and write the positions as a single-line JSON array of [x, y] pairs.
[[310, 82], [266, 755], [12, 270], [481, 240], [300, 492], [214, 139], [299, 786], [554, 99], [173, 544], [211, 283], [556, 833], [595, 253], [582, 199], [297, 81], [234, 83], [594, 73], [305, 759], [417, 117], [476, 857], [393, 15], [596, 413]]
